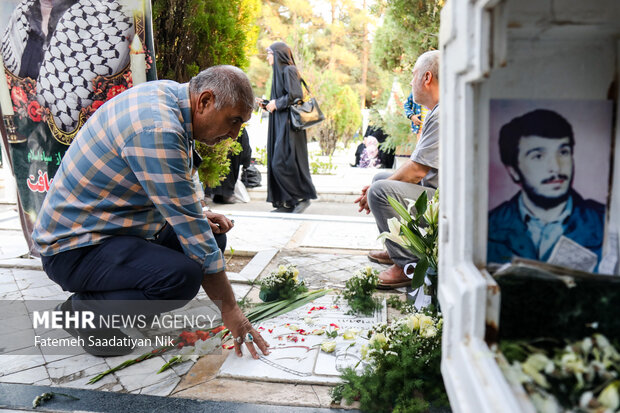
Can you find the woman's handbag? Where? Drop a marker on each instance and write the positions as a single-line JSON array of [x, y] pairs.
[[305, 114]]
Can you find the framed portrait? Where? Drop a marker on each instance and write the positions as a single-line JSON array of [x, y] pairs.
[[549, 180]]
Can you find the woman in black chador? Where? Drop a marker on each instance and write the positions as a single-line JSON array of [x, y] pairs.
[[289, 185]]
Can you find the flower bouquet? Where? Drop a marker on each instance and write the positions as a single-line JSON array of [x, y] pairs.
[[281, 284], [419, 234], [581, 376], [401, 367], [359, 289]]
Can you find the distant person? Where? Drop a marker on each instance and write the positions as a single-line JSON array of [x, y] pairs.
[[413, 111], [386, 157], [537, 150], [225, 192], [289, 184], [369, 157], [412, 178]]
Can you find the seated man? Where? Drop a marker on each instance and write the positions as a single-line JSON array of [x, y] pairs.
[[408, 182], [122, 220]]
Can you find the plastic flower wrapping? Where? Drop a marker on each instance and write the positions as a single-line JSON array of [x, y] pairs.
[[582, 376]]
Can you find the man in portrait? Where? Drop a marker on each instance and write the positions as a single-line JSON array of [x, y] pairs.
[[546, 219]]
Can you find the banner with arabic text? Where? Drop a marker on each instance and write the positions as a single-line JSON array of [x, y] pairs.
[[63, 59]]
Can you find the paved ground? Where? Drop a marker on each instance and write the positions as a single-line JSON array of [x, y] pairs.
[[327, 249]]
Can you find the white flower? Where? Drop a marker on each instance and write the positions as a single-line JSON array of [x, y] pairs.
[[351, 334], [609, 396], [425, 321], [585, 399], [188, 353], [412, 322], [428, 332], [364, 352], [378, 338], [534, 364], [328, 346], [206, 346], [394, 232], [410, 205], [545, 403], [514, 373]]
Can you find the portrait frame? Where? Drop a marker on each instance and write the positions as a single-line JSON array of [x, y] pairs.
[[592, 125]]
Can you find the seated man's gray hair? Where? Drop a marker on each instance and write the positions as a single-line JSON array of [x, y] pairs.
[[229, 84], [429, 62]]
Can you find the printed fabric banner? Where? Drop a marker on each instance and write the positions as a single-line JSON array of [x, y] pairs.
[[62, 59]]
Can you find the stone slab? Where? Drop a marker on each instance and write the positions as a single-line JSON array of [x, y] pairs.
[[253, 234], [13, 245], [295, 356], [350, 235], [254, 268]]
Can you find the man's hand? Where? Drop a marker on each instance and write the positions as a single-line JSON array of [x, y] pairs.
[[239, 327], [218, 289], [363, 200], [219, 223]]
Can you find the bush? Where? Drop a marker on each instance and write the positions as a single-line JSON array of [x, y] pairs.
[[343, 116], [215, 163]]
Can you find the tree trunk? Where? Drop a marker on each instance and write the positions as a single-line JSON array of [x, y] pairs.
[[366, 46]]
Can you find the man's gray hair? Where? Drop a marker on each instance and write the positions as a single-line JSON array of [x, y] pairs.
[[429, 62], [229, 84]]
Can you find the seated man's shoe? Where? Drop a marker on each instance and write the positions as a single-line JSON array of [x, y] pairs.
[[380, 257], [393, 277], [301, 206]]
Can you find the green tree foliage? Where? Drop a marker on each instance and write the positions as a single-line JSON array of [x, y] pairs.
[[191, 35], [327, 39], [343, 117], [410, 28]]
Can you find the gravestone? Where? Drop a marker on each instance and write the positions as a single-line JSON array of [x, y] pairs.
[[295, 354]]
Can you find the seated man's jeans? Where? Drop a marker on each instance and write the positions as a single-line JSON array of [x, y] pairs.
[[381, 209], [128, 268]]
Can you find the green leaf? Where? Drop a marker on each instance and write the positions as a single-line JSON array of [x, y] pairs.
[[419, 273], [421, 204], [417, 244], [400, 209]]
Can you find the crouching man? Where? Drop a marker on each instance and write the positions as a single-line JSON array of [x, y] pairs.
[[122, 220]]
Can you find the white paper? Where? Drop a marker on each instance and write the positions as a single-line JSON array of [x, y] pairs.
[[610, 259], [568, 253]]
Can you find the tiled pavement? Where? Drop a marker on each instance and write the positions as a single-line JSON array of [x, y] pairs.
[[325, 249]]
